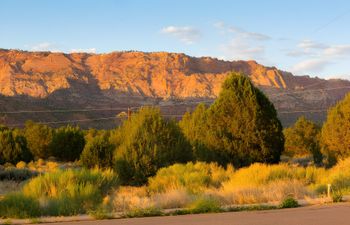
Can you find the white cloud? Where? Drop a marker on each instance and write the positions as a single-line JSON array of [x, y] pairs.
[[311, 48], [311, 66], [239, 32], [239, 49], [317, 56], [307, 48], [82, 50], [186, 34], [309, 44], [45, 46], [337, 51], [243, 44]]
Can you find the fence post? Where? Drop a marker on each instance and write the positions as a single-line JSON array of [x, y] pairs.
[[328, 190]]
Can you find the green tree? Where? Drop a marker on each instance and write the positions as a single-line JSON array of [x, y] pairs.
[[39, 138], [335, 134], [302, 139], [67, 143], [195, 127], [98, 150], [240, 127], [13, 147], [148, 142]]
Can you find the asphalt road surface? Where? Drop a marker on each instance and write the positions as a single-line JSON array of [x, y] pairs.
[[338, 214]]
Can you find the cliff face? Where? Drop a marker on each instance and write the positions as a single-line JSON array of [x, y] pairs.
[[52, 80]]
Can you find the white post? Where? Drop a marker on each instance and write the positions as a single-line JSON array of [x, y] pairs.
[[329, 190]]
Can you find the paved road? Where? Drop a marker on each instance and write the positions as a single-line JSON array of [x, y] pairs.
[[315, 215]]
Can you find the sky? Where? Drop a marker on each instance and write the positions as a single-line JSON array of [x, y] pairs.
[[306, 37]]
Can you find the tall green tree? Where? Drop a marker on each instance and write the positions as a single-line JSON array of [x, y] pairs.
[[335, 135], [302, 139], [67, 143], [195, 128], [39, 138], [148, 142], [240, 127]]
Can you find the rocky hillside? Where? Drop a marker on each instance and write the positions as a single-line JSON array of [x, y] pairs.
[[64, 84]]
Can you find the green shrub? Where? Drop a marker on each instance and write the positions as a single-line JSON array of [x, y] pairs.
[[204, 205], [146, 143], [289, 202], [302, 139], [67, 143], [98, 151], [39, 138], [17, 205], [13, 147]]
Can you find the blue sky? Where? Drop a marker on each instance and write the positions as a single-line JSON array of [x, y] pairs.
[[302, 36]]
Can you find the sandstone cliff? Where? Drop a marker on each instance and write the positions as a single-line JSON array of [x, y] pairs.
[[44, 80]]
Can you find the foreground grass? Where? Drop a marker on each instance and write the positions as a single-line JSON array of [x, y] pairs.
[[60, 193], [192, 188]]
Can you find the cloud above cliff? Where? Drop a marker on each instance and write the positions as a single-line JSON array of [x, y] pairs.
[[45, 46], [315, 57], [185, 34]]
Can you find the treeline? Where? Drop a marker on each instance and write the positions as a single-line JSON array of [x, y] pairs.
[[327, 143], [241, 127]]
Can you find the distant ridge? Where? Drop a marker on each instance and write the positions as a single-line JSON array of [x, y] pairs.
[[45, 80]]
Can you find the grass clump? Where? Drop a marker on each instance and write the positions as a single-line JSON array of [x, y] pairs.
[[143, 212], [251, 208], [193, 177], [70, 192], [289, 202], [17, 205], [204, 205], [101, 213]]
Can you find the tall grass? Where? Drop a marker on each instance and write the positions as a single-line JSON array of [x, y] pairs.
[[17, 205], [61, 193], [194, 178], [338, 177]]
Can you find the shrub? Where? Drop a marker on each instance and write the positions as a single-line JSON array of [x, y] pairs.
[[147, 143], [303, 139], [16, 205], [194, 178], [335, 136], [13, 147], [39, 138], [289, 202], [98, 151], [240, 127], [21, 165], [67, 143], [70, 192]]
